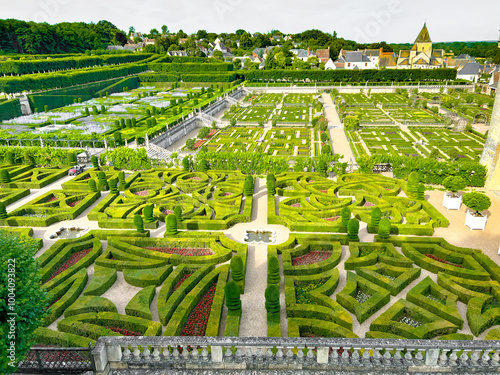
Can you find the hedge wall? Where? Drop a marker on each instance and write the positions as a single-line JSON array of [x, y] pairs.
[[129, 82], [187, 77], [181, 59], [191, 67], [10, 109], [374, 75]]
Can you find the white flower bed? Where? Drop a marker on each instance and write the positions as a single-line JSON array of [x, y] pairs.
[[39, 118], [405, 319], [361, 296], [122, 108]]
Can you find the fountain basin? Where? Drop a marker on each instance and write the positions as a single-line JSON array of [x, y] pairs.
[[265, 236], [68, 232]]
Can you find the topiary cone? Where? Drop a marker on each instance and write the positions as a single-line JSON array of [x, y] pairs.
[[113, 185], [384, 229], [375, 217], [148, 213], [139, 224], [273, 271], [92, 185], [345, 215], [352, 230], [233, 300], [178, 213], [171, 225], [236, 266], [3, 211], [4, 176]]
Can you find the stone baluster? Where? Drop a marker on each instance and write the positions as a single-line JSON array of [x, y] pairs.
[[355, 357], [175, 353], [398, 357], [156, 353], [485, 358], [259, 357], [146, 354], [279, 354], [344, 358], [310, 358], [334, 356], [228, 355], [249, 354], [408, 358], [167, 356], [289, 355], [300, 354], [387, 357], [269, 354], [419, 357], [377, 357], [443, 358], [366, 358], [126, 354], [474, 358], [204, 353], [495, 358], [136, 354], [195, 356], [452, 360], [464, 358], [238, 356]]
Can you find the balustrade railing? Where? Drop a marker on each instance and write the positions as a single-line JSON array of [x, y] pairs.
[[294, 353]]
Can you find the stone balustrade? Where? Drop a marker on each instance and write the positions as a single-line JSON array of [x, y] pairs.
[[154, 355]]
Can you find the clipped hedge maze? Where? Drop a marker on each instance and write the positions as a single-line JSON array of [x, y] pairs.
[[427, 276], [28, 177], [310, 203], [209, 201], [187, 274]]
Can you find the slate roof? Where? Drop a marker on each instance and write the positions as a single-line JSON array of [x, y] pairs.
[[424, 36], [470, 69], [353, 57]]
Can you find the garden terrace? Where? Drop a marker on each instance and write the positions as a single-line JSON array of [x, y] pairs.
[[250, 114], [210, 201], [293, 115], [307, 202], [264, 99]]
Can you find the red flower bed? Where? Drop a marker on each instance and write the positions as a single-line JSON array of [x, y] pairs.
[[167, 212], [324, 191], [311, 258], [52, 199], [331, 218], [179, 283], [73, 259], [442, 260], [296, 205], [227, 194], [196, 324], [73, 204], [49, 306], [368, 204], [184, 251], [212, 132], [198, 143], [125, 332], [141, 193], [196, 178]]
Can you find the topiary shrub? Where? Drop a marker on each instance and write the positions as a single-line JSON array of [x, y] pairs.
[[271, 187], [273, 307], [421, 192], [248, 187], [186, 164], [270, 177], [375, 217], [113, 185], [412, 185], [477, 202], [102, 184], [4, 176], [178, 213], [384, 229], [233, 300], [121, 181], [345, 216], [3, 211], [171, 225], [92, 185], [139, 224], [29, 159], [9, 158], [72, 158], [236, 266], [94, 161], [352, 230], [454, 184], [148, 213], [273, 271]]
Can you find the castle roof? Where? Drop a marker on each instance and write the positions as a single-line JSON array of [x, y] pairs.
[[424, 36]]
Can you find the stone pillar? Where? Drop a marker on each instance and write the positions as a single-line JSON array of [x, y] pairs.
[[491, 153]]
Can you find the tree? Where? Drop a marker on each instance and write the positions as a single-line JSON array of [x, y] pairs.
[[22, 294], [171, 225], [233, 300], [477, 202], [218, 55], [94, 161], [412, 184], [236, 266], [178, 213], [345, 216], [9, 157], [139, 224], [148, 213], [384, 229], [3, 211], [232, 122], [190, 143], [186, 164], [272, 295], [352, 230], [203, 132], [351, 123], [92, 185], [248, 186], [118, 138], [454, 184], [273, 270]]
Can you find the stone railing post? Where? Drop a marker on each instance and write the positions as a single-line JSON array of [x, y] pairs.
[[322, 355], [217, 354], [100, 357]]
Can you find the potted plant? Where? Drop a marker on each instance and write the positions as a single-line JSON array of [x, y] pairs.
[[477, 202], [452, 200]]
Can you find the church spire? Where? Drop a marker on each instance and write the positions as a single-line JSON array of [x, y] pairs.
[[424, 36]]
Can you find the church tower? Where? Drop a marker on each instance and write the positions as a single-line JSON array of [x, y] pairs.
[[423, 43], [491, 153]]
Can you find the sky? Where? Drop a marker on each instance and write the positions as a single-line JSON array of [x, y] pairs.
[[365, 21]]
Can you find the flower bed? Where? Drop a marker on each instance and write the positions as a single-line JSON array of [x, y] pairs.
[[179, 283], [405, 319], [311, 257], [368, 204], [324, 191], [73, 259], [442, 260], [361, 296], [297, 205], [141, 193], [198, 144], [125, 332], [183, 251], [195, 178], [331, 218], [212, 132], [301, 291], [52, 199], [167, 212], [73, 204], [196, 325]]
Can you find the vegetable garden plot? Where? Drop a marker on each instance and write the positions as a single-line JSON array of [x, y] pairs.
[[236, 139], [293, 114], [413, 115], [369, 115], [388, 98], [271, 99], [298, 99]]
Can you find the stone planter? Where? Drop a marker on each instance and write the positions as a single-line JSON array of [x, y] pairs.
[[475, 222], [452, 203]]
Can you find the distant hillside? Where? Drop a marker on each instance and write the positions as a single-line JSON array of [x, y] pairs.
[[41, 38]]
